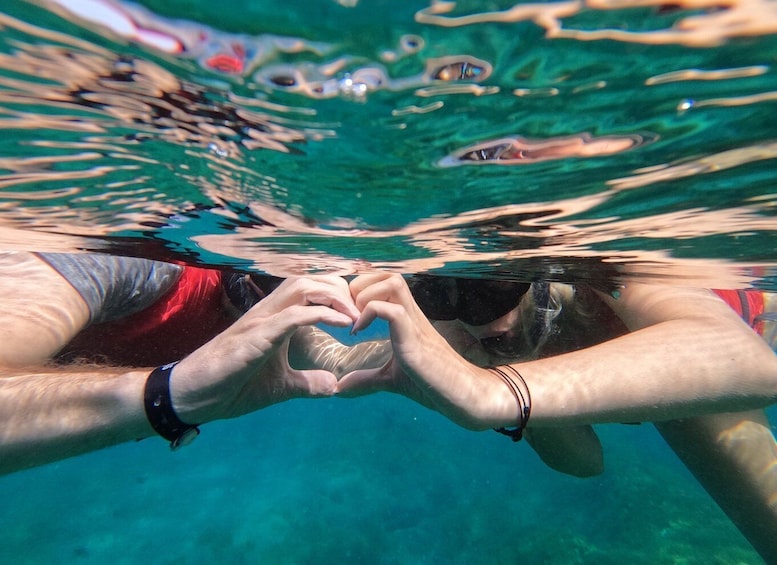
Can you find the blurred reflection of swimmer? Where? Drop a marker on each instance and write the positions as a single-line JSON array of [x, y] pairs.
[[549, 360], [519, 150], [82, 334]]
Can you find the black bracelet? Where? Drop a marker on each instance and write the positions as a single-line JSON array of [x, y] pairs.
[[160, 412], [524, 402]]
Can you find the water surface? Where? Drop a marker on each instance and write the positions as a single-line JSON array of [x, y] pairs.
[[536, 140]]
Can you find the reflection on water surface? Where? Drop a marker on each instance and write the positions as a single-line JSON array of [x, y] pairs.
[[637, 135]]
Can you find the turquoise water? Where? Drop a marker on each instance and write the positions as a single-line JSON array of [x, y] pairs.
[[316, 137], [310, 136], [377, 480]]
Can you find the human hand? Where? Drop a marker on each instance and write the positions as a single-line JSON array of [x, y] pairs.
[[424, 367], [246, 367]]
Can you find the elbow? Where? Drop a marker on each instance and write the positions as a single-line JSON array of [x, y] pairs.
[[765, 383]]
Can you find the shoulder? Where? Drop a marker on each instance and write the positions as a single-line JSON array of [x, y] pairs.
[[640, 305], [41, 311]]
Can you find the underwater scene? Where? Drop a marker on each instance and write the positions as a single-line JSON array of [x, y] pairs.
[[566, 141]]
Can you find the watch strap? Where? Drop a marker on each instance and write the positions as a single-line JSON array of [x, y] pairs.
[[159, 409]]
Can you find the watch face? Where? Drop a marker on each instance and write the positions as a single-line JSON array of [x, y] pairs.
[[185, 438]]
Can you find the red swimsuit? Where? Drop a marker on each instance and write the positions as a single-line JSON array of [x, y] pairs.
[[184, 318], [749, 304]]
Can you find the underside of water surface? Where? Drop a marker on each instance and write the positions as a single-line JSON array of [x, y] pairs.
[[549, 140]]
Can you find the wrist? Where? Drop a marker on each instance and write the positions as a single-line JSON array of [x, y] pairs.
[[493, 402], [127, 394], [486, 404], [192, 398], [522, 397], [161, 414]]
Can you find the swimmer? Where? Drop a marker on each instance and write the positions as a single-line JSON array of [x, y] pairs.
[[98, 350], [546, 361]]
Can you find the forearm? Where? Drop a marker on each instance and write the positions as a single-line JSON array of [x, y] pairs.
[[51, 415], [676, 369]]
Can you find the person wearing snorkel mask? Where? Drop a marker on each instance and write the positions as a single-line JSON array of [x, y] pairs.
[[547, 361]]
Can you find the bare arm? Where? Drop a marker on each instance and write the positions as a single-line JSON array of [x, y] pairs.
[[48, 414], [41, 312], [688, 355]]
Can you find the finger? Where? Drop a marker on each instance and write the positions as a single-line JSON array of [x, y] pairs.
[[358, 284], [392, 288], [327, 291], [282, 325], [366, 318], [336, 283], [297, 316], [405, 323], [395, 314], [343, 304], [361, 382]]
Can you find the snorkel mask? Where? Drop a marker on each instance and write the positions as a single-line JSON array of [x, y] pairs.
[[477, 302], [473, 301]]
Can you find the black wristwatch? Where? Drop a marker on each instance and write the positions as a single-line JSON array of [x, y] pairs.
[[160, 412]]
